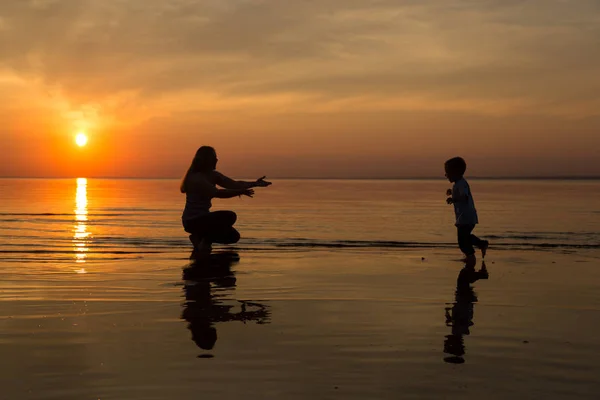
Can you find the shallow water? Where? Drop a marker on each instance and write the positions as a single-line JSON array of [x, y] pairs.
[[92, 220], [339, 289]]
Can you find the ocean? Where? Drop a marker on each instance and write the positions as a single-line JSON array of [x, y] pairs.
[[80, 220]]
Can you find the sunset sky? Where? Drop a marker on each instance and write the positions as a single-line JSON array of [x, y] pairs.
[[290, 88]]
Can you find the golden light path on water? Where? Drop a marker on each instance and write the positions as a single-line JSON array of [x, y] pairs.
[[80, 232]]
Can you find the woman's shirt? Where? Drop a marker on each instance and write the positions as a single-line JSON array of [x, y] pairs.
[[200, 189]]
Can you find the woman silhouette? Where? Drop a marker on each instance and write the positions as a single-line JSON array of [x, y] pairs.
[[200, 187]]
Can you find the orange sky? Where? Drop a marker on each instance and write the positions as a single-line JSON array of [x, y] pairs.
[[329, 88]]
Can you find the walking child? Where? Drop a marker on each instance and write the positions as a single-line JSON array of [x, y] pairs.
[[464, 207]]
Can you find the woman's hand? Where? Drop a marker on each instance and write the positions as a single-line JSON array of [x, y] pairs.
[[247, 192], [261, 182], [449, 192]]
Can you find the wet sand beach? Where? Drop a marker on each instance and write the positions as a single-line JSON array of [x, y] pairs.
[[321, 324]]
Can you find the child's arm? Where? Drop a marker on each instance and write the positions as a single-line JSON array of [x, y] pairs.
[[459, 198], [459, 195]]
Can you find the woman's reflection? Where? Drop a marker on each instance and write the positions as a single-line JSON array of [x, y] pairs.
[[460, 315], [80, 232], [207, 282]]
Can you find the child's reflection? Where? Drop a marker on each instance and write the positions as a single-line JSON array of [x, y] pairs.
[[460, 315]]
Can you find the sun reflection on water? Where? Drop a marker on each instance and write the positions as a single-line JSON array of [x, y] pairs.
[[80, 232]]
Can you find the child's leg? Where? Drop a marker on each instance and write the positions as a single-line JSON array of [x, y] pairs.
[[480, 244], [465, 244]]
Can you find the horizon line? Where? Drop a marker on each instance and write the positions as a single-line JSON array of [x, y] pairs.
[[543, 177]]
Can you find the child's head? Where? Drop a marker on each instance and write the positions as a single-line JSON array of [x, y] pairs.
[[455, 168]]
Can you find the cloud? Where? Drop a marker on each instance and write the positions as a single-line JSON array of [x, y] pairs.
[[481, 56]]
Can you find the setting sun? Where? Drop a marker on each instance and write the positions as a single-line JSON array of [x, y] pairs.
[[81, 139]]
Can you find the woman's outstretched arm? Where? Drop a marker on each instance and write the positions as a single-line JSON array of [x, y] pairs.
[[199, 184], [229, 183]]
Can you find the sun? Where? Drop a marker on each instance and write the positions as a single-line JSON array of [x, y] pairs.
[[81, 139]]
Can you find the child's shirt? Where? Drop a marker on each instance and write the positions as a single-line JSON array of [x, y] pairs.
[[465, 211]]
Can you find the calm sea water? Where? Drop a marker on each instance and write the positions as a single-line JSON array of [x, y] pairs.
[[87, 220]]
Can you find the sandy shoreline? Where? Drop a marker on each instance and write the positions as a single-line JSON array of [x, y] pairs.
[[325, 324]]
